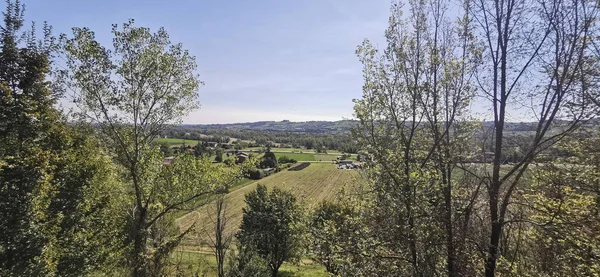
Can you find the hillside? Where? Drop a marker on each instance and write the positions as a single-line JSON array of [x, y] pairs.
[[342, 126], [315, 183]]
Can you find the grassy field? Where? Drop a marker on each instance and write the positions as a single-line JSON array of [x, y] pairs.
[[284, 149], [196, 263], [174, 141], [311, 185], [296, 156], [296, 150]]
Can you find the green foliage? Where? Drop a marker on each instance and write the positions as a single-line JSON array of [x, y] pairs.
[[285, 160], [219, 156], [269, 160], [57, 217], [271, 224], [132, 93], [559, 223], [246, 262], [165, 148], [327, 233]]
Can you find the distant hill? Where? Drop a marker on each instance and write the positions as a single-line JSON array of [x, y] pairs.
[[341, 126]]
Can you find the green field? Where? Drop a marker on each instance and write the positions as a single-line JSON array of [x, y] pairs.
[[174, 141], [296, 156], [295, 150], [318, 182], [284, 149]]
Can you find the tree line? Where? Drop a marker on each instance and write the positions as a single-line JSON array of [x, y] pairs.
[[334, 141]]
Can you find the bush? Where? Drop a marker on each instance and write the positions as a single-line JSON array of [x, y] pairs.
[[286, 160], [246, 262], [256, 174]]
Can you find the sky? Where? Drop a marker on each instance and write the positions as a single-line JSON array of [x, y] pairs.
[[259, 60]]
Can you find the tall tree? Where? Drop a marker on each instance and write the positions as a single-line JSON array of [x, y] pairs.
[[54, 205], [413, 125], [132, 92], [219, 239], [536, 52]]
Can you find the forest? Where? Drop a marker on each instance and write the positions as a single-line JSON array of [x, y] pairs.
[[441, 190]]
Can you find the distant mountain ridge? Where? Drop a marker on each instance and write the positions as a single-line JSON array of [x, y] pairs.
[[341, 126]]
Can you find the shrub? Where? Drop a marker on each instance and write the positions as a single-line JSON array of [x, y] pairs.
[[286, 159], [256, 174]]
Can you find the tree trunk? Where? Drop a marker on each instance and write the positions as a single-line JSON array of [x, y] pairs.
[[451, 250], [490, 263], [139, 246]]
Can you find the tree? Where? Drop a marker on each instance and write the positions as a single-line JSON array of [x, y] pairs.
[[131, 93], [219, 157], [219, 239], [543, 60], [165, 148], [271, 224], [413, 124], [269, 160], [55, 209], [327, 233]]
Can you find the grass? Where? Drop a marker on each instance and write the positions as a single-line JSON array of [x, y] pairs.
[[200, 201], [296, 156], [318, 182], [196, 263], [285, 149], [295, 150], [176, 141]]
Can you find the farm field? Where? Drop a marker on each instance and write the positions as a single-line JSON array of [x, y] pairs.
[[176, 141], [297, 150], [329, 157], [317, 182], [295, 156]]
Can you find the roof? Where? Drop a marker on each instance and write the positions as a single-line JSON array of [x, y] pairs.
[[242, 154]]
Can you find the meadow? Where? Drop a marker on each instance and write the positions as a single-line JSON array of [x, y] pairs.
[[317, 182], [176, 141]]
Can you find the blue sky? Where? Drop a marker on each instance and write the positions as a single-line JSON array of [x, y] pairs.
[[260, 60]]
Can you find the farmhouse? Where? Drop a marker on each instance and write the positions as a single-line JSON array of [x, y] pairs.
[[241, 157]]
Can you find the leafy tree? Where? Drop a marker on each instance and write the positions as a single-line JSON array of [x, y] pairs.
[[271, 224], [326, 229], [219, 157], [57, 216], [269, 160], [545, 63], [413, 124], [165, 148], [131, 93]]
